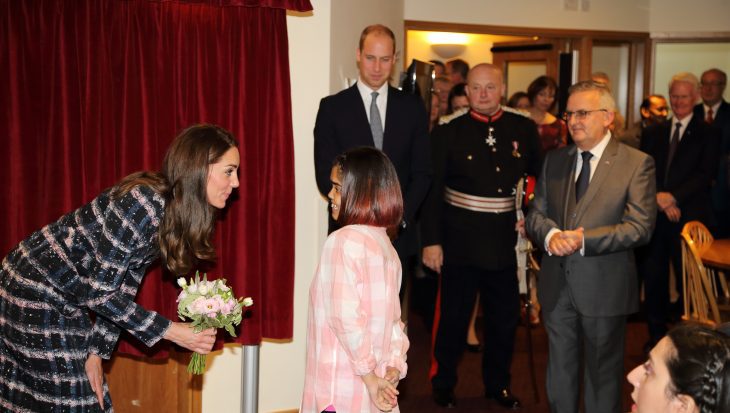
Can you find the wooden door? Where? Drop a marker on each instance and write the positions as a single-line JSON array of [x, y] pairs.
[[151, 385], [516, 58]]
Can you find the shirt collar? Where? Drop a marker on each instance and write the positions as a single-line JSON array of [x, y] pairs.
[[714, 107], [486, 118], [366, 92], [684, 121], [597, 151]]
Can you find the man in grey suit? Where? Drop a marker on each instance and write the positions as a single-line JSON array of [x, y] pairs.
[[594, 202]]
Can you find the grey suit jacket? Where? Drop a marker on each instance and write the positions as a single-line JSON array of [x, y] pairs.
[[617, 212]]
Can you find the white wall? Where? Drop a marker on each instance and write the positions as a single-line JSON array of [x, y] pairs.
[[672, 58], [624, 15], [674, 16]]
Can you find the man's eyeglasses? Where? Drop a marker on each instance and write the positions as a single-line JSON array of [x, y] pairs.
[[580, 114]]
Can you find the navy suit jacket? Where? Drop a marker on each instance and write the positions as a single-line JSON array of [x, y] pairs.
[[342, 124], [721, 188], [692, 170], [722, 116]]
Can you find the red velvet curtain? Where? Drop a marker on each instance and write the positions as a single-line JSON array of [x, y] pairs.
[[93, 90]]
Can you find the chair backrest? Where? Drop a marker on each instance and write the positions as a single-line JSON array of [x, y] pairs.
[[699, 234], [700, 300]]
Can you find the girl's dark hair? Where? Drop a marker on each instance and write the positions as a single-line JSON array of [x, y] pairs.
[[540, 84], [700, 367], [186, 229], [458, 90], [371, 193]]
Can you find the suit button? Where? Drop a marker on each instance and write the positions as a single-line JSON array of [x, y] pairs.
[[573, 215], [499, 190], [561, 265], [498, 169]]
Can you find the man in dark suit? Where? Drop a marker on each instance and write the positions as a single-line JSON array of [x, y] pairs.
[[653, 110], [372, 113], [594, 203], [685, 150], [716, 112]]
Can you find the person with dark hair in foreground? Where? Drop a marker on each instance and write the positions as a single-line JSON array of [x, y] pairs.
[[92, 260], [356, 343], [688, 371]]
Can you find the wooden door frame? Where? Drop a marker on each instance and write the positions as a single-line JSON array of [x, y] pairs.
[[546, 50]]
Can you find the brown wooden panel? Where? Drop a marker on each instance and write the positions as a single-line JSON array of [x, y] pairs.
[[150, 385]]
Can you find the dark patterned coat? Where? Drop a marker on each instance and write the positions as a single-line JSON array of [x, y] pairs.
[[89, 261]]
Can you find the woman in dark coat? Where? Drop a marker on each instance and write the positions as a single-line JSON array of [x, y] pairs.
[[93, 261]]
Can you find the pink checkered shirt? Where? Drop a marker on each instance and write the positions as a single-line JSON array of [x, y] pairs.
[[354, 325]]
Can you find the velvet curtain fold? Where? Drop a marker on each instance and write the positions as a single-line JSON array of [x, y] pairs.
[[92, 90]]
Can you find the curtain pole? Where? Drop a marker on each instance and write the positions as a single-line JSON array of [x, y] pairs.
[[250, 379]]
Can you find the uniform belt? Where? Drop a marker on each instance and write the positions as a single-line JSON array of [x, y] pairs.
[[479, 203]]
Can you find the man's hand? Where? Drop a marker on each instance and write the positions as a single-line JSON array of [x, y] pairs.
[[665, 200], [433, 257], [96, 377], [566, 242], [673, 213]]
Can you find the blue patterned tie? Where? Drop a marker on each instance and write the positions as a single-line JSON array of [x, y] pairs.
[[584, 178], [376, 125]]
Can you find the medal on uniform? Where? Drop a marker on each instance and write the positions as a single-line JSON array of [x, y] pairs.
[[515, 152], [490, 139]]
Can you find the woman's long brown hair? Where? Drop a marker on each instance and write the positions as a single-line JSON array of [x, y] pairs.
[[186, 229]]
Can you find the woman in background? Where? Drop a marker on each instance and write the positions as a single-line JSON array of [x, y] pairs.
[[519, 100], [553, 131], [688, 371], [93, 261], [356, 344]]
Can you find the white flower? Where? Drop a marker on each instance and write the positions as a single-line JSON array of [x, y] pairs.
[[247, 302], [193, 288], [203, 288], [181, 282]]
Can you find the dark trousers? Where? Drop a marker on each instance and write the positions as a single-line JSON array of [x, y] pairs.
[[597, 343], [654, 268], [500, 304]]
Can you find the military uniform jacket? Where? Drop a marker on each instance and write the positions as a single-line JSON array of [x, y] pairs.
[[465, 162]]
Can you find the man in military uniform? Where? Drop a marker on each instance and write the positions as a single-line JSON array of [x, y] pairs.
[[469, 231]]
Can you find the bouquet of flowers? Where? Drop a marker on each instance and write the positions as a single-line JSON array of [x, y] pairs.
[[209, 304]]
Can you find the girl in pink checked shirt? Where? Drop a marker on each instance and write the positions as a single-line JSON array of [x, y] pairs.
[[356, 346]]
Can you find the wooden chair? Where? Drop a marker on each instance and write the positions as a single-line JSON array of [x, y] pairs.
[[700, 302], [702, 239]]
